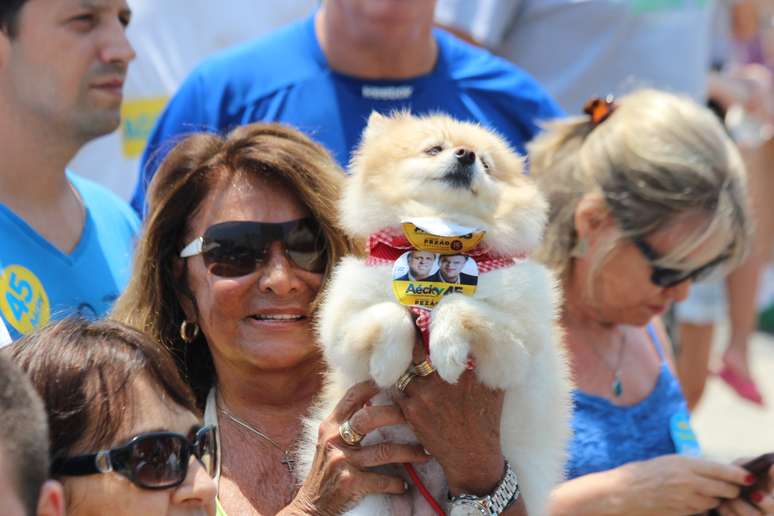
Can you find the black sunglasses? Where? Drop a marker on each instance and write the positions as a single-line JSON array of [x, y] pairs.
[[153, 460], [665, 277], [232, 249]]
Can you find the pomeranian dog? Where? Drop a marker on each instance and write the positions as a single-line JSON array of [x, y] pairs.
[[434, 167]]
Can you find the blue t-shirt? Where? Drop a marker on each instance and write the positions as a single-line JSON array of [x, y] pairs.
[[38, 282], [285, 77], [606, 436]]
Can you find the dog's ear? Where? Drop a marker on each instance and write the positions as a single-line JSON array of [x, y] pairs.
[[377, 123], [375, 118]]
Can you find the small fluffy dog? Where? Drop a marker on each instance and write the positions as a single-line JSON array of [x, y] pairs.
[[408, 167]]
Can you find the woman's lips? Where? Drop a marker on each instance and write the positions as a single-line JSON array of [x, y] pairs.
[[277, 317], [658, 309]]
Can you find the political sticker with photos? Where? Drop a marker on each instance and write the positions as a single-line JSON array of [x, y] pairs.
[[437, 265]]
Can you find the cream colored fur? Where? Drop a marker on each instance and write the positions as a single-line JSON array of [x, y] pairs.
[[509, 326]]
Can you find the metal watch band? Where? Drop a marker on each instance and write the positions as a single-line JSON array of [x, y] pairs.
[[506, 492]]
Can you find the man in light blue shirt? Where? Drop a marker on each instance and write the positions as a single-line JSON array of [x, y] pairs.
[[67, 243]]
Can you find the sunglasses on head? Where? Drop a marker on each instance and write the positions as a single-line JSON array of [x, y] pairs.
[[232, 249], [665, 277], [153, 460]]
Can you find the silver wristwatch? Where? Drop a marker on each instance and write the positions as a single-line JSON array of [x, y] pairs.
[[506, 492]]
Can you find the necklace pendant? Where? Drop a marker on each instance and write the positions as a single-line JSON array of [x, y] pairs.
[[617, 385]]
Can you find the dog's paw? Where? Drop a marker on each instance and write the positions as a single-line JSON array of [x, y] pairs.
[[449, 355], [371, 341], [389, 361], [502, 364], [391, 353], [499, 373]]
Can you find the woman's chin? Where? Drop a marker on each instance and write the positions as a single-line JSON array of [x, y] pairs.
[[640, 320], [280, 353]]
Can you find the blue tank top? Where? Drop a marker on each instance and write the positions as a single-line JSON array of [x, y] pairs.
[[607, 436]]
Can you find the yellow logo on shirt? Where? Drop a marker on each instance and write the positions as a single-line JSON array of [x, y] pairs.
[[23, 300], [137, 120]]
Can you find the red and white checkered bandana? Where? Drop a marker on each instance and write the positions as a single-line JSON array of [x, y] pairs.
[[387, 245]]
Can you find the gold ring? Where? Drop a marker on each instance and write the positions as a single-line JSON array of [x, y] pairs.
[[349, 435], [423, 369], [405, 379]]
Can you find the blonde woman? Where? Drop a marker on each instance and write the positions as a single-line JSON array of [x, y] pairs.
[[647, 195]]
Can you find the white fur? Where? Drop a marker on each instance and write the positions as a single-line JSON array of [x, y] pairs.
[[509, 326]]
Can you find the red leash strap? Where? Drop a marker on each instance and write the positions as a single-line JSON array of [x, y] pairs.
[[422, 321], [423, 490]]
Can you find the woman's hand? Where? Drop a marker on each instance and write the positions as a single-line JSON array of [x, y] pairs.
[[459, 425], [761, 501], [338, 478], [671, 485], [679, 485]]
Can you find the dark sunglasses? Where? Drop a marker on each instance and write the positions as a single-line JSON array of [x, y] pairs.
[[232, 249], [153, 460], [665, 277]]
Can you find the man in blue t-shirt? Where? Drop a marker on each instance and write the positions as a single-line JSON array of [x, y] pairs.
[[327, 73], [66, 242]]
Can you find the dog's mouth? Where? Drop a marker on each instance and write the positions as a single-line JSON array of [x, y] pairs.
[[459, 176]]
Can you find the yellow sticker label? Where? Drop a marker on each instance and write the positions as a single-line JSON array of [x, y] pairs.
[[23, 300], [422, 239], [137, 120], [422, 278]]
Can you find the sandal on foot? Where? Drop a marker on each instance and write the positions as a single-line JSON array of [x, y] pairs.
[[743, 385]]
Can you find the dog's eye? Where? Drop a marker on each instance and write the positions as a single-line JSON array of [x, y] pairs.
[[434, 150]]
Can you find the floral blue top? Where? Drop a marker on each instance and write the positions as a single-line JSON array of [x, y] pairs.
[[607, 436]]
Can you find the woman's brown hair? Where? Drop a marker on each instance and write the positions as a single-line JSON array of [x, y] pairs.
[[189, 173], [85, 371]]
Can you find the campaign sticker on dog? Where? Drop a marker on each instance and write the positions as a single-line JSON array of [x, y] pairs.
[[438, 236], [421, 278]]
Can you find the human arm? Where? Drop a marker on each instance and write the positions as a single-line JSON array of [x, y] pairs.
[[745, 20], [670, 485], [338, 477], [691, 364], [459, 425]]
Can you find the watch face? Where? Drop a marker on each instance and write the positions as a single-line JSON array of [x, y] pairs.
[[467, 508]]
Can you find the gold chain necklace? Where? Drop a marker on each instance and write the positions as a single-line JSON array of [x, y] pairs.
[[616, 386], [287, 458]]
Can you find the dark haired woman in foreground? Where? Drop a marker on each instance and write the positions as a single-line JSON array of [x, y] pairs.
[[125, 437]]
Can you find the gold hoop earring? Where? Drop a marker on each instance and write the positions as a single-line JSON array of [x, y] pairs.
[[188, 331]]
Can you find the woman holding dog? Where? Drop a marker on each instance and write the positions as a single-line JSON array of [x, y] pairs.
[[238, 241], [647, 195]]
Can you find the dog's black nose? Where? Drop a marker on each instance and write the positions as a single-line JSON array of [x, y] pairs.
[[465, 156]]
